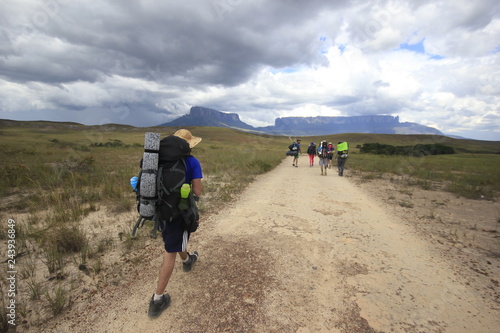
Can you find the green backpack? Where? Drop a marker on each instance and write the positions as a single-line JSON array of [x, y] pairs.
[[343, 149]]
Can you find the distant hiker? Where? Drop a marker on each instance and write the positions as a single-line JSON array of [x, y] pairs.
[[296, 147], [330, 156], [323, 154], [175, 236], [311, 151], [342, 153]]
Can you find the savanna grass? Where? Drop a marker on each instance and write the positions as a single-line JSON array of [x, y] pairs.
[[68, 173], [58, 299], [469, 175]]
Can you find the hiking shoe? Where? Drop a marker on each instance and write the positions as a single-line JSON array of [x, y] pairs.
[[156, 308], [186, 267]]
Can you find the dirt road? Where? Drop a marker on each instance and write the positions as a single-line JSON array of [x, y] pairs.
[[298, 252]]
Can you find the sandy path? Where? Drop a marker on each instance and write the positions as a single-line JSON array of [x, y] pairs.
[[298, 252]]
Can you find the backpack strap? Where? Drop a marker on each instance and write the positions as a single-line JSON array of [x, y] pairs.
[[138, 224]]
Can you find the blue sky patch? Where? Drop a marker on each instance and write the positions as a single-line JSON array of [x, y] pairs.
[[342, 48], [436, 57], [418, 47], [286, 70]]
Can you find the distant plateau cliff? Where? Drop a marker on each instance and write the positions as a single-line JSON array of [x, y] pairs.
[[304, 126]]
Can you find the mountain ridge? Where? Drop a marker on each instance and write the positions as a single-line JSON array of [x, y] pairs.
[[304, 126]]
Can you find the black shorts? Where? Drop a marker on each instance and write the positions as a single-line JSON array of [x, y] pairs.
[[174, 236]]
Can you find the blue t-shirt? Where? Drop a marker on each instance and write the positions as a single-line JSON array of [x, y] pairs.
[[193, 169]]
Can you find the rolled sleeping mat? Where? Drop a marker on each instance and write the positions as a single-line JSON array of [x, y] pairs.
[[150, 161], [152, 142], [148, 175], [148, 194]]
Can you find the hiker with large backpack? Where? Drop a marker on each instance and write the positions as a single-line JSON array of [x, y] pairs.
[[323, 154], [178, 185], [342, 154], [330, 157], [311, 151], [295, 147]]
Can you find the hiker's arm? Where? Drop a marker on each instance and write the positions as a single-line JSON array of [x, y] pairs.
[[197, 186]]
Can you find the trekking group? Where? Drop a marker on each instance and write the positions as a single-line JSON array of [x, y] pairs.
[[325, 152]]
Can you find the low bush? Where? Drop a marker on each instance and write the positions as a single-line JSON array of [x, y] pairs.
[[417, 150]]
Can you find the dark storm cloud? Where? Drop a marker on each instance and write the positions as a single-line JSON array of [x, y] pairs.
[[203, 42]]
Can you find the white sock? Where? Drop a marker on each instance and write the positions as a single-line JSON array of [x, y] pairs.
[[187, 259], [157, 297]]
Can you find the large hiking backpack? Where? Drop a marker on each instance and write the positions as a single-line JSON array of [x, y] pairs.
[[311, 150], [293, 149], [323, 151], [343, 149], [160, 180]]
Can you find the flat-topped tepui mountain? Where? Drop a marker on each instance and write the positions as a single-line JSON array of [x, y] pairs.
[[381, 124], [200, 116]]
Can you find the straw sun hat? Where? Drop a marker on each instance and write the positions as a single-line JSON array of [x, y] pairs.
[[186, 135]]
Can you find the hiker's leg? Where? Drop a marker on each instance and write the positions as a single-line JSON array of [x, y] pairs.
[[341, 166], [166, 270], [183, 255]]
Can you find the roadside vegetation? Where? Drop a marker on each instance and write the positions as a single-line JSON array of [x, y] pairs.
[[53, 176], [474, 176], [418, 150]]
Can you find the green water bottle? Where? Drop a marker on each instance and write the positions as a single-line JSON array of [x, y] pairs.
[[184, 202]]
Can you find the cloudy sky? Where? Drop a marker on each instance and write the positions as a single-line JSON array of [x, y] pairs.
[[146, 62]]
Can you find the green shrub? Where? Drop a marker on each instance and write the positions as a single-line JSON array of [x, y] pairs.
[[417, 150]]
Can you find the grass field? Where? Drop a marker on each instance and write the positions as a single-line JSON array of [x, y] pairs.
[[55, 174], [95, 164], [64, 164]]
